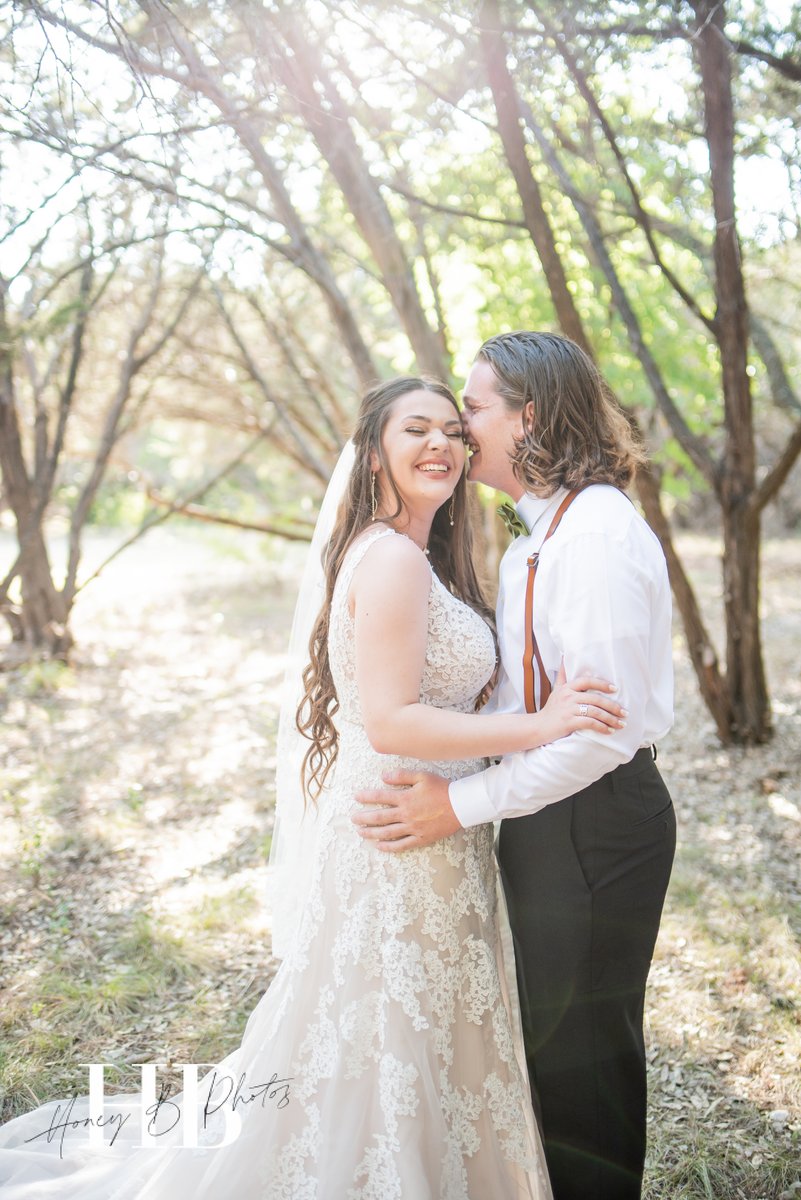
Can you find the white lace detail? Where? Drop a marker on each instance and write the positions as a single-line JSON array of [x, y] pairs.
[[388, 1014], [450, 680]]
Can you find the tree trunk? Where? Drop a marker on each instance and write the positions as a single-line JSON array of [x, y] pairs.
[[42, 617], [329, 122], [745, 673], [751, 719], [504, 94], [712, 684], [39, 622], [305, 255]]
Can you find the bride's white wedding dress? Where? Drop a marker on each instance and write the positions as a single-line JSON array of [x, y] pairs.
[[390, 1055]]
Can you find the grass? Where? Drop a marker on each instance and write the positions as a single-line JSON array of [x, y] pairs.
[[724, 1011], [46, 677], [96, 988], [135, 816]]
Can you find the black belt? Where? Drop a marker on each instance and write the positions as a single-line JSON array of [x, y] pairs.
[[642, 759]]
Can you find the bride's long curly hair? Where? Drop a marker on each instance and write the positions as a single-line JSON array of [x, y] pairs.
[[450, 555]]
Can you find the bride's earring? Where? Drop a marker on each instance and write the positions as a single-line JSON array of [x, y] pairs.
[[373, 504], [450, 512]]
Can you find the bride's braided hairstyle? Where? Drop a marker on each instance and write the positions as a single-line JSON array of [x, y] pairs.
[[450, 555]]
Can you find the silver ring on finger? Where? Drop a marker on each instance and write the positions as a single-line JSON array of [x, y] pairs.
[[583, 710]]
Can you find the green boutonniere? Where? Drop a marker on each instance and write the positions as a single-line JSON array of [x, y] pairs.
[[509, 515]]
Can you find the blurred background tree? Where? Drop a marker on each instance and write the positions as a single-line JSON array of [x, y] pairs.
[[302, 197]]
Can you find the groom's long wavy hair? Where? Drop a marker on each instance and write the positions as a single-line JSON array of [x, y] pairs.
[[450, 555], [577, 433]]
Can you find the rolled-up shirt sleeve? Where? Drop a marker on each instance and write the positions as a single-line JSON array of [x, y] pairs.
[[606, 614]]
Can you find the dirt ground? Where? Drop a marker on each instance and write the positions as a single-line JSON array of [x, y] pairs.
[[137, 793]]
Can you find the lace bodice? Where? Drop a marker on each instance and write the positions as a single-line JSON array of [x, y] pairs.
[[460, 656]]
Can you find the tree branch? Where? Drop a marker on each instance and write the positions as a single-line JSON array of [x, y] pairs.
[[309, 390], [310, 461], [197, 78], [330, 126], [785, 64], [780, 387], [131, 366], [774, 479], [194, 495], [626, 28], [10, 577], [641, 216], [450, 210], [302, 534], [690, 442]]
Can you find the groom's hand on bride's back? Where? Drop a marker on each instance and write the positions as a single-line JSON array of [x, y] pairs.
[[413, 810]]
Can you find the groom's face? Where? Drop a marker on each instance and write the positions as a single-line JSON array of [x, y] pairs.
[[490, 431]]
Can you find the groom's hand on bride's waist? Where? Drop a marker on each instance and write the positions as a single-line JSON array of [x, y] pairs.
[[413, 811]]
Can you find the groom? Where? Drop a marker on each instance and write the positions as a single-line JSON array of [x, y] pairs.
[[586, 860]]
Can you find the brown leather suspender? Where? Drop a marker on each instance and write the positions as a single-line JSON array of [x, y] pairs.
[[532, 650]]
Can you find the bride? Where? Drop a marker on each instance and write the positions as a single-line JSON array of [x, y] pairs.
[[385, 1058]]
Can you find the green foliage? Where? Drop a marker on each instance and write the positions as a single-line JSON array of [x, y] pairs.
[[33, 852], [46, 677], [117, 505], [411, 132]]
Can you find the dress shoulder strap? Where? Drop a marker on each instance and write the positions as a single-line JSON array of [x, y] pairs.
[[358, 550]]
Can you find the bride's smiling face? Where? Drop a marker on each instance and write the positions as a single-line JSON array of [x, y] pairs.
[[424, 451]]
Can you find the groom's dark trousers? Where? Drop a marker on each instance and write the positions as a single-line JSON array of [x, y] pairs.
[[585, 880]]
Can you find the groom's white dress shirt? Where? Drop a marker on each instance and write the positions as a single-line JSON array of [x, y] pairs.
[[601, 603]]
